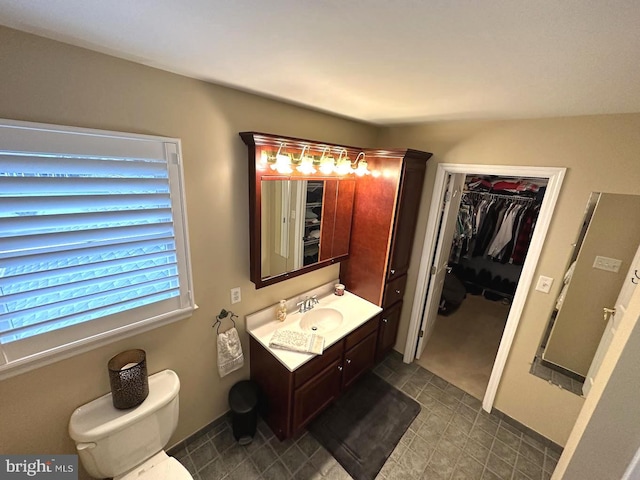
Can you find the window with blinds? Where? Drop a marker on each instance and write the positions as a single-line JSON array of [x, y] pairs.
[[93, 240]]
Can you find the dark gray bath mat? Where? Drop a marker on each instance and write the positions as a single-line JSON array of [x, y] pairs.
[[363, 427]]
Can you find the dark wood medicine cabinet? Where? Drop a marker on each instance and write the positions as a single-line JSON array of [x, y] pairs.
[[298, 222], [372, 237]]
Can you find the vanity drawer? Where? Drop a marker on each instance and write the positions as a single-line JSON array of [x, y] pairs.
[[394, 291], [316, 365], [356, 336]]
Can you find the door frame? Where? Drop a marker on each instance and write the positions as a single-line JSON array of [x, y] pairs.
[[555, 176]]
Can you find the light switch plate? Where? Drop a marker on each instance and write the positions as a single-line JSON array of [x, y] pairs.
[[236, 296], [608, 264], [544, 284]]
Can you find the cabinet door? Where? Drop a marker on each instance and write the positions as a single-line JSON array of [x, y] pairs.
[[388, 331], [311, 398], [404, 227], [359, 360]]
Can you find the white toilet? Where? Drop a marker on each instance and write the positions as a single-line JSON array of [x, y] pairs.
[[128, 444]]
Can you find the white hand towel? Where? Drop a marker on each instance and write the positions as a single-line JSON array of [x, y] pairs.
[[297, 341], [230, 355]]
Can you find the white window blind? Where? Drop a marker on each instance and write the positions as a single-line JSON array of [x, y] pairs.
[[93, 239]]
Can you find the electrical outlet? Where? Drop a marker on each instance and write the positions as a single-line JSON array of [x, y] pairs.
[[544, 284], [608, 264], [236, 296]]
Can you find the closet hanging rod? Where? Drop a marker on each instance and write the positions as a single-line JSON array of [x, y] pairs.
[[514, 198]]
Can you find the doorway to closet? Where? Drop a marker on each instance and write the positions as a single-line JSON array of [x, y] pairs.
[[484, 253], [485, 231]]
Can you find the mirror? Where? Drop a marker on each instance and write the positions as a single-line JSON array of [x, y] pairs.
[[301, 195], [303, 223], [611, 229]]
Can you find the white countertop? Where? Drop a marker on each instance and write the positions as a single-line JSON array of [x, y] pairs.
[[355, 311]]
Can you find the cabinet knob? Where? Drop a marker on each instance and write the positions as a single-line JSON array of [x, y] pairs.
[[398, 292], [384, 320], [348, 361], [340, 367], [393, 272]]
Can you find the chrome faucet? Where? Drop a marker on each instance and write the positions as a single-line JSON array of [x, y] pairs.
[[307, 304]]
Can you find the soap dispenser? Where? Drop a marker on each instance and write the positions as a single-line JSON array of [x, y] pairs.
[[281, 311]]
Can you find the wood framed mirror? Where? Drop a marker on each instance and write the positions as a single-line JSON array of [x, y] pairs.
[[298, 221]]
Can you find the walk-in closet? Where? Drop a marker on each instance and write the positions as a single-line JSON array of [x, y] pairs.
[[493, 228]]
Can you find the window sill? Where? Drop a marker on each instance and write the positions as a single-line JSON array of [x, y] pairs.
[[18, 367]]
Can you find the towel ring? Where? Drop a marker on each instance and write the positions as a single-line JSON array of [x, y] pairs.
[[222, 315]]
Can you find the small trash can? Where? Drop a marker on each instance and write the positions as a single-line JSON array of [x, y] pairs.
[[243, 401]]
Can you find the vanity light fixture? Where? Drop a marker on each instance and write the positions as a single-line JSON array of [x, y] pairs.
[[327, 162], [362, 168], [283, 162], [306, 162]]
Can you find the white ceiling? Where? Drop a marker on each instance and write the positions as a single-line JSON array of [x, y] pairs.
[[382, 61]]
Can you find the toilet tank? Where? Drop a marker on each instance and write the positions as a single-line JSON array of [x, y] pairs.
[[110, 442]]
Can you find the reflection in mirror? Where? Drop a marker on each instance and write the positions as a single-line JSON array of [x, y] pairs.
[[277, 245], [337, 218], [611, 232], [304, 222]]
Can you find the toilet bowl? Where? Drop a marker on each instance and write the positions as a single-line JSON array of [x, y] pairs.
[[128, 444]]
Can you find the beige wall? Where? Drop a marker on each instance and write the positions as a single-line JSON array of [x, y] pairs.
[[614, 231], [601, 154], [46, 81]]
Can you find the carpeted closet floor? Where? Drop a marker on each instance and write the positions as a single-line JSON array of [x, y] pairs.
[[463, 346]]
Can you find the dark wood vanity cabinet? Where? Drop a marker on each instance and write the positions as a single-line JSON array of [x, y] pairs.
[[385, 213], [293, 399]]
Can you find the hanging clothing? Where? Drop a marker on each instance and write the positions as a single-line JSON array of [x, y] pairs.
[[508, 249], [485, 233], [524, 238], [496, 225], [503, 237], [502, 210], [492, 225], [463, 233]]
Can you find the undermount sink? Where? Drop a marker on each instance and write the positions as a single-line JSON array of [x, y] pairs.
[[321, 320]]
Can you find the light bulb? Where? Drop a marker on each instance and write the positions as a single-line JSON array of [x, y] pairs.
[[283, 163], [362, 168], [344, 167], [306, 166], [327, 165]]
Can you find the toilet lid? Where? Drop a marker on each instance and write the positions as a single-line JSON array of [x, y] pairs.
[[169, 469]]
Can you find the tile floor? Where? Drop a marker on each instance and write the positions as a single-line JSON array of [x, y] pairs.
[[452, 438], [555, 377]]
